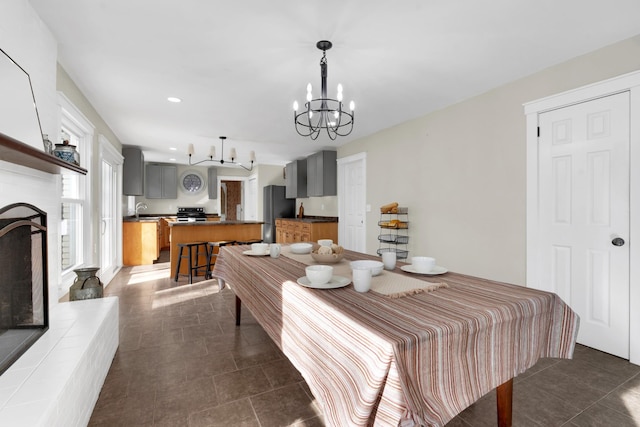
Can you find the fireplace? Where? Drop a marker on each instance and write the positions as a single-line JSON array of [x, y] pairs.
[[23, 280]]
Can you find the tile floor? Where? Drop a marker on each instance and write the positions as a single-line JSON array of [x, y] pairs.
[[183, 362]]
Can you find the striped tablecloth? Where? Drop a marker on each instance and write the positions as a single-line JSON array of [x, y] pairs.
[[416, 360]]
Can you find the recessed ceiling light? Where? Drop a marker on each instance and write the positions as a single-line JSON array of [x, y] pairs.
[[174, 99], [172, 160], [173, 149]]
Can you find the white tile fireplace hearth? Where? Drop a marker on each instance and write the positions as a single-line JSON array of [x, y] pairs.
[[56, 382]]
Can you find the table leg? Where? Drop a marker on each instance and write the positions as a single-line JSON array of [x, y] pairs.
[[238, 310], [504, 397]]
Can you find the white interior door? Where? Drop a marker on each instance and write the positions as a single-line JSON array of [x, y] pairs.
[[352, 203], [584, 216], [251, 201], [110, 208]]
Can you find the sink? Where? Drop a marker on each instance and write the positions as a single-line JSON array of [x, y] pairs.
[[141, 218]]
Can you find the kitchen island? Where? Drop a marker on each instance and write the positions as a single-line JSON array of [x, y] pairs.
[[209, 231]]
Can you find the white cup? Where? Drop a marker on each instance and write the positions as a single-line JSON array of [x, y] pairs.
[[325, 242], [259, 248], [423, 264], [274, 250], [389, 260], [362, 279]]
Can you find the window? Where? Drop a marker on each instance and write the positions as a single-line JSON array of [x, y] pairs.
[[72, 209], [76, 242]]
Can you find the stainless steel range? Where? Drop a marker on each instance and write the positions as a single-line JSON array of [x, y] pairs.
[[187, 214]]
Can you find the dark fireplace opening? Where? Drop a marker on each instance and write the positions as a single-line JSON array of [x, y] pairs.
[[23, 280]]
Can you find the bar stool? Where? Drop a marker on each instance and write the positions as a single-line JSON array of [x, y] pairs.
[[213, 248], [192, 262]]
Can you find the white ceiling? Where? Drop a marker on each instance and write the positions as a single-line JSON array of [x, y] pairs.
[[239, 65]]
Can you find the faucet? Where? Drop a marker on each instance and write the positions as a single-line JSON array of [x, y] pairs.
[[140, 206]]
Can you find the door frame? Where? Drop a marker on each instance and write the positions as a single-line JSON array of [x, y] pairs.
[[243, 180], [109, 154], [627, 82], [342, 162]]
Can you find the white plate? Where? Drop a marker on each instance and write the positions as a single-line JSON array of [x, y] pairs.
[[335, 282], [435, 271], [251, 253]]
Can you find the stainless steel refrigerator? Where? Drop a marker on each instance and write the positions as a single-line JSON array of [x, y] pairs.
[[276, 205]]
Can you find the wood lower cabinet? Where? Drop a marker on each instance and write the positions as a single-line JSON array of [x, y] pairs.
[[165, 232], [294, 230], [140, 242]]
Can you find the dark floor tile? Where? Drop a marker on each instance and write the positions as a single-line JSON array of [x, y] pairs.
[[534, 406], [540, 366], [281, 372], [601, 416], [284, 406], [457, 422], [209, 365], [254, 334], [624, 400], [252, 355], [593, 376], [241, 384], [563, 387], [160, 337], [133, 410], [605, 361], [234, 414], [181, 351], [482, 413], [179, 421], [633, 384], [183, 399], [223, 343], [197, 332], [176, 322]]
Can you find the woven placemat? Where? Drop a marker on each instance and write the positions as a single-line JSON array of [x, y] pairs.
[[388, 283]]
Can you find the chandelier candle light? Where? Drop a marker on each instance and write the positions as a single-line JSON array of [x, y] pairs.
[[323, 113], [212, 155]]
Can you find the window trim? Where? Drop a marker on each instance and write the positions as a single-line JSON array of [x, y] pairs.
[[72, 117]]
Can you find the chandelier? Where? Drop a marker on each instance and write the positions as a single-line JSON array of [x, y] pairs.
[[212, 155], [323, 113]]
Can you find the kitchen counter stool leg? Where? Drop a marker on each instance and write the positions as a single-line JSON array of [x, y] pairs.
[[175, 278], [238, 310]]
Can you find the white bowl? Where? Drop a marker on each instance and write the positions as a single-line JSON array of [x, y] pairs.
[[319, 274], [301, 248], [375, 266]]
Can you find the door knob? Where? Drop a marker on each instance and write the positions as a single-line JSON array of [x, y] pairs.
[[618, 241]]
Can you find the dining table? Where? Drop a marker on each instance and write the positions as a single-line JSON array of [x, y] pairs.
[[415, 350]]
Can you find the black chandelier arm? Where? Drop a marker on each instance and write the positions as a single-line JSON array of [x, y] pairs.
[[221, 160], [343, 126]]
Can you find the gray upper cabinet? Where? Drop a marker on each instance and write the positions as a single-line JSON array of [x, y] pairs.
[[212, 181], [162, 181], [133, 172], [296, 180], [322, 174]]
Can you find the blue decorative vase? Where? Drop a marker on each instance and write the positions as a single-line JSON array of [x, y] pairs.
[[67, 152]]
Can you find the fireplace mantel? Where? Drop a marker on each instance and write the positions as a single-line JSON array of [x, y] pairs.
[[14, 151]]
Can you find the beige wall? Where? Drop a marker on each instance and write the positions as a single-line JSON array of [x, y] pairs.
[[466, 194]]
